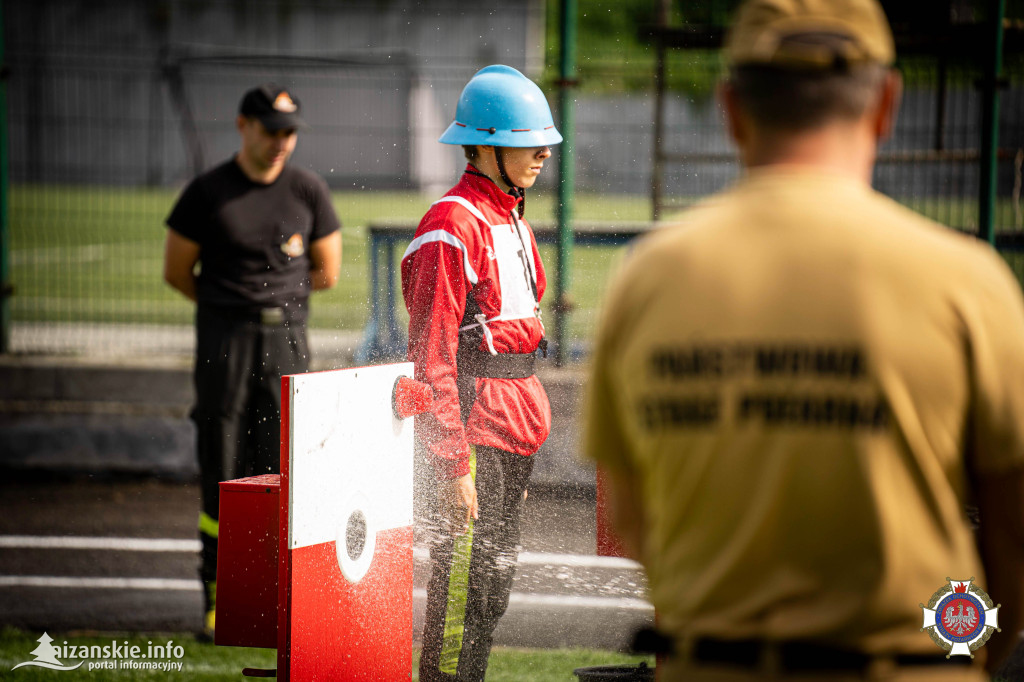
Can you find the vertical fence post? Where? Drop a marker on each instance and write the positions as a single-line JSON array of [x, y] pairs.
[[657, 165], [990, 124], [6, 288], [657, 154], [566, 175]]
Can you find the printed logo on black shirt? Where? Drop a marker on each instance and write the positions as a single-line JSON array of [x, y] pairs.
[[293, 247]]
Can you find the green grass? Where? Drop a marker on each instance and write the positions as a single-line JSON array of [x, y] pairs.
[[200, 661], [88, 254], [542, 665], [207, 663], [95, 254]]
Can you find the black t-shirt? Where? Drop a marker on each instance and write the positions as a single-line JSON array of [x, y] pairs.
[[253, 238]]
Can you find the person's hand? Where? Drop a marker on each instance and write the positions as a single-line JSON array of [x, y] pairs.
[[458, 502]]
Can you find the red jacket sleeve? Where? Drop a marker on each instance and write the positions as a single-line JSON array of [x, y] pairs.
[[435, 287]]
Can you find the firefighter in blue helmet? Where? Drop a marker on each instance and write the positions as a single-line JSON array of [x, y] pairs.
[[472, 281]]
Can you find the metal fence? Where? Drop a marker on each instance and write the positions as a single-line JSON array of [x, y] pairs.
[[114, 105], [103, 135], [931, 162]]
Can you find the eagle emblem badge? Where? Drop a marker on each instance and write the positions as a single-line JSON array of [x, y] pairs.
[[960, 617]]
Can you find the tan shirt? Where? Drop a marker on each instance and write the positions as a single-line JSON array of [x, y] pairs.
[[793, 373]]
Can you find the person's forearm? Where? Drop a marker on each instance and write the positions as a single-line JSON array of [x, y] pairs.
[[186, 284], [325, 262], [321, 278]]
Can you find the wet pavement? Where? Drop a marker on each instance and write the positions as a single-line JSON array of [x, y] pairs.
[[60, 570], [97, 446]]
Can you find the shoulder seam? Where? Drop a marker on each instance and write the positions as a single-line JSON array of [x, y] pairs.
[[465, 203]]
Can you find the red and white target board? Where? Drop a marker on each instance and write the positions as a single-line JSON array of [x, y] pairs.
[[346, 527]]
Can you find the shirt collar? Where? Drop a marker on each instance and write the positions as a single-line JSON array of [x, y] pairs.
[[484, 184]]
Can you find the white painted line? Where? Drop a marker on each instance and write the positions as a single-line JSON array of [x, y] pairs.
[[578, 560], [569, 601], [181, 545], [557, 601], [103, 543], [100, 583], [522, 599], [551, 559]]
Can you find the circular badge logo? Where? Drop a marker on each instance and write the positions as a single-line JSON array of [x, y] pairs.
[[960, 617]]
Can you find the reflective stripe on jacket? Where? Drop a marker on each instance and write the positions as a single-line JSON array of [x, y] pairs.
[[471, 251]]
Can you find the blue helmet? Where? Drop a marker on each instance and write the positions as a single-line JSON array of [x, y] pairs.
[[502, 107]]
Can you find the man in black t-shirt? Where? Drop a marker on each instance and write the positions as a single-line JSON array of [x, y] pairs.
[[265, 235]]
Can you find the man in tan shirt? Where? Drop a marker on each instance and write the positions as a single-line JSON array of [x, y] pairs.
[[798, 389]]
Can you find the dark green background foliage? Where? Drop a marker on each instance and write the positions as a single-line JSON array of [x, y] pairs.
[[615, 52]]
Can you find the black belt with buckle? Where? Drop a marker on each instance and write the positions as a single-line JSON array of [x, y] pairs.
[[804, 656], [272, 317], [266, 317]]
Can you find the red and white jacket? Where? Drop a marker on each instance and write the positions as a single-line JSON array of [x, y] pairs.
[[470, 247]]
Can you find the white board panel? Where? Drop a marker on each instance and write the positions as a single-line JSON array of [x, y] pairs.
[[348, 452]]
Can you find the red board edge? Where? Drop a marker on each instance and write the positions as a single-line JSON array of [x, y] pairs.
[[608, 543], [284, 556]]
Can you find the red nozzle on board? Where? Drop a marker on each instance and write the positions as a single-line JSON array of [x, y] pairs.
[[410, 397]]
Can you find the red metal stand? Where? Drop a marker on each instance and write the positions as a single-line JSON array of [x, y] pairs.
[[247, 562], [608, 543]]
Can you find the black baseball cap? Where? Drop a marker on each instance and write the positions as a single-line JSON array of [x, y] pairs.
[[274, 106]]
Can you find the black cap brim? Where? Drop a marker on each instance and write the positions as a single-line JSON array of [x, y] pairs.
[[277, 120]]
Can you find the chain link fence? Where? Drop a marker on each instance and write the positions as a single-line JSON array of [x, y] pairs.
[[114, 106]]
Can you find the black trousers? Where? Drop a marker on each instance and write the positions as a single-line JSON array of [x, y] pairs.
[[471, 577], [239, 365]]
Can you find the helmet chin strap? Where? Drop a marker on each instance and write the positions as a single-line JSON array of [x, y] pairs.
[[516, 190]]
